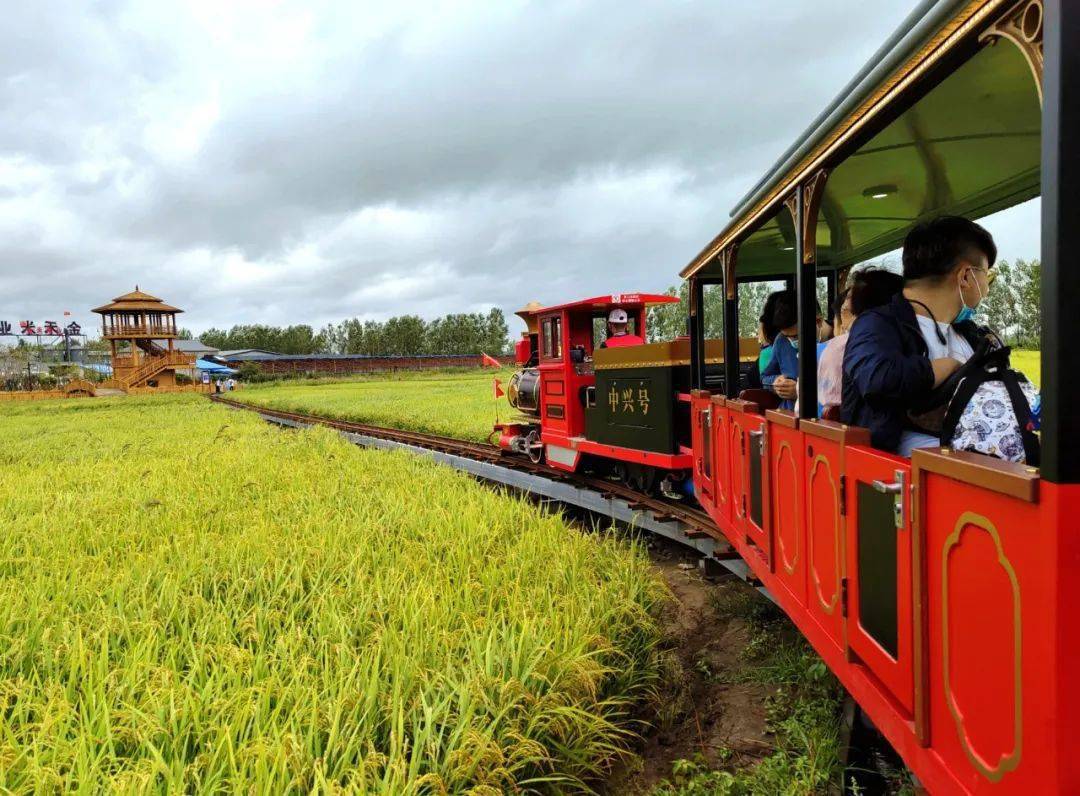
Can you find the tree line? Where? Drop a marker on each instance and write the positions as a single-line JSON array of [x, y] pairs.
[[403, 335]]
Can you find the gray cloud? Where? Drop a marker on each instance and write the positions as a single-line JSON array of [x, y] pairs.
[[311, 161]]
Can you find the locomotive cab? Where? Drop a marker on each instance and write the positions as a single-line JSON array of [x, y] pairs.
[[568, 421]]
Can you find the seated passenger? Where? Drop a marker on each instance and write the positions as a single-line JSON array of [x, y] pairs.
[[767, 333], [870, 288], [618, 332], [781, 373], [898, 353]]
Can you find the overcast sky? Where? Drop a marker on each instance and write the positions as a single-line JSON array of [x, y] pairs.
[[303, 162]]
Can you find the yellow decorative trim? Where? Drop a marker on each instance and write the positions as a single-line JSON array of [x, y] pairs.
[[967, 19], [653, 363], [789, 568], [827, 607], [1012, 760]]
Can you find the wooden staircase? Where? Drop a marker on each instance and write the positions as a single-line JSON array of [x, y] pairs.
[[154, 365]]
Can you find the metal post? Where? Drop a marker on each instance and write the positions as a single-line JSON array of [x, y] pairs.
[[697, 335], [731, 339], [1060, 240], [806, 289]]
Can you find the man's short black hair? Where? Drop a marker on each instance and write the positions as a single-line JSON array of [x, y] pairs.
[[767, 316], [932, 248], [785, 309], [873, 287]]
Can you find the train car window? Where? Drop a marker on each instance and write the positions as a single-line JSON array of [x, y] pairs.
[[552, 337], [599, 330], [877, 566]]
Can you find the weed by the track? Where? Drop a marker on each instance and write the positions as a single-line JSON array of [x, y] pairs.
[[803, 713]]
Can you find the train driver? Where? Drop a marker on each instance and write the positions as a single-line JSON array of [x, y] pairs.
[[618, 331]]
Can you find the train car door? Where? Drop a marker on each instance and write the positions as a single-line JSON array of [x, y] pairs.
[[786, 463], [553, 375], [735, 433], [879, 571], [701, 409], [825, 512], [722, 460], [750, 484]]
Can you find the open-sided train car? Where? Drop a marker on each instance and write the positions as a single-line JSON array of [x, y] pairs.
[[941, 589]]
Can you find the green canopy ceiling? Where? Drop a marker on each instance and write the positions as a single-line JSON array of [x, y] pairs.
[[970, 146]]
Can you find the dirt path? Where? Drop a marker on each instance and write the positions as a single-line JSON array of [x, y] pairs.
[[701, 711]]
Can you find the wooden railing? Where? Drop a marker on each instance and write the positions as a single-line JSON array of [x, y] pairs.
[[143, 330]]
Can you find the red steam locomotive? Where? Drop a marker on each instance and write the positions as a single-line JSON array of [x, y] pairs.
[[940, 589]]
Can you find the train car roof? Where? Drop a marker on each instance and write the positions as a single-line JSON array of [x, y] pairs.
[[942, 81], [610, 301]]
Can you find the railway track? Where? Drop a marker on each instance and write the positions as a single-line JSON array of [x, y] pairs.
[[673, 520]]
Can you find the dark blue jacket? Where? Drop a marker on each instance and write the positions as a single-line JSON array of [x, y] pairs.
[[886, 367], [784, 362]]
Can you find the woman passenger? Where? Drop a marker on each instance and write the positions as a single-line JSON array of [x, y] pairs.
[[782, 373], [766, 333], [871, 287]]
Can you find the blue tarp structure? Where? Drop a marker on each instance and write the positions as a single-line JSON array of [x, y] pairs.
[[213, 368]]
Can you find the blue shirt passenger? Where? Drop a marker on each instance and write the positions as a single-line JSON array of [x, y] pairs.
[[784, 362]]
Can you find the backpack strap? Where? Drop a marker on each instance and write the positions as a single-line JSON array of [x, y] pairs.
[[1022, 410], [960, 399]]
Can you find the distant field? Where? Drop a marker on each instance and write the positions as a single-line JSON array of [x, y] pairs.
[[194, 602], [455, 403], [458, 404], [1027, 362]]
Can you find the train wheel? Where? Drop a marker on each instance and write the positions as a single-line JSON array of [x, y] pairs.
[[534, 447], [641, 478]]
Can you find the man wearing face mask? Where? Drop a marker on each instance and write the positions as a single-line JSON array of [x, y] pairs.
[[898, 353]]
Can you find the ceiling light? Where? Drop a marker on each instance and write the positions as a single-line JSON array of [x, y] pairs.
[[879, 191]]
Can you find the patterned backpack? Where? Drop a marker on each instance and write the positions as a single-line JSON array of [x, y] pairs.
[[995, 411]]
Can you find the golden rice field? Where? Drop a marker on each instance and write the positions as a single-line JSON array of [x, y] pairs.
[[192, 601], [1029, 364], [457, 404]]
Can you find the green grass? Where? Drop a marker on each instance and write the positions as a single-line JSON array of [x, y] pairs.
[[458, 404], [191, 601]]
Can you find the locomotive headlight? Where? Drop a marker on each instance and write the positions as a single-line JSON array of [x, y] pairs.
[[523, 391]]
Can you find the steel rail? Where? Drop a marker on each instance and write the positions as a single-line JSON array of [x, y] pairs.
[[689, 526]]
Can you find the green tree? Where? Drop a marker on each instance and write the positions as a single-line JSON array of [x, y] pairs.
[[1030, 303], [496, 338]]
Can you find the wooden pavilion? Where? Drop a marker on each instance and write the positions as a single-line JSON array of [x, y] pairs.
[[141, 329]]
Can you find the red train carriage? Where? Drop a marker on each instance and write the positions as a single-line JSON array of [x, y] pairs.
[[942, 590]]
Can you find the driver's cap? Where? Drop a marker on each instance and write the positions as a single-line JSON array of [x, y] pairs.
[[617, 316]]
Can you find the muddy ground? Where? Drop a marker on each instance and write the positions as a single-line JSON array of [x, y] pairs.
[[701, 710]]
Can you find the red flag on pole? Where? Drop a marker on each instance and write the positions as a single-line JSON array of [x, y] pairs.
[[485, 360], [498, 389]]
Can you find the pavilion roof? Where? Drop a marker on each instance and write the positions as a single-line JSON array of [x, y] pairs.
[[136, 300]]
